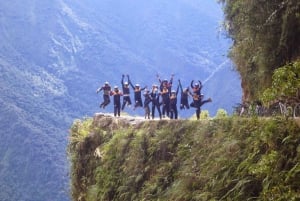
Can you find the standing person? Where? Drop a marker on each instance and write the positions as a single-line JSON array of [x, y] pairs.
[[106, 92], [126, 92], [165, 88], [117, 100], [165, 95], [173, 104], [155, 101], [147, 101], [137, 94], [184, 99]]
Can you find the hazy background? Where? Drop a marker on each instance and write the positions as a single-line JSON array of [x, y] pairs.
[[55, 54]]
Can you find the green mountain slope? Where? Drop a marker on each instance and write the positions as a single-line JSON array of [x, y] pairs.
[[32, 147], [54, 54], [220, 159]]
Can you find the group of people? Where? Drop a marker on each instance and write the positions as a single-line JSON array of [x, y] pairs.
[[161, 97]]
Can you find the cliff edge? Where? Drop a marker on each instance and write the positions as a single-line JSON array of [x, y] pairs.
[[128, 158]]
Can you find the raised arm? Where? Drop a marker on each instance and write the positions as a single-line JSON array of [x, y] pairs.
[[171, 79], [143, 88], [158, 78], [180, 86], [177, 90], [122, 80], [192, 83], [129, 82], [200, 84]]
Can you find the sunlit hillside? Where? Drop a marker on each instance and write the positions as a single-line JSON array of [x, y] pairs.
[[55, 54]]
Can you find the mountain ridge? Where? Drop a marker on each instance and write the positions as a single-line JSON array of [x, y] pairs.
[[55, 54]]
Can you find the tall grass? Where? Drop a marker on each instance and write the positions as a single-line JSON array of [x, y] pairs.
[[219, 159]]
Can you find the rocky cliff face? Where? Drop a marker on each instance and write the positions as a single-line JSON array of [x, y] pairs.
[[234, 159]]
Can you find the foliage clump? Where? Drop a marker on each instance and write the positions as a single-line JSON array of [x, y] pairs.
[[285, 85], [266, 35], [221, 113], [204, 115], [219, 159]]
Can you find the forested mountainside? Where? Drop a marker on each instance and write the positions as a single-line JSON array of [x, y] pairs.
[[266, 36], [55, 54], [182, 160], [232, 158]]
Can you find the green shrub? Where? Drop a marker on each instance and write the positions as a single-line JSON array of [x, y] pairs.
[[221, 113], [204, 114]]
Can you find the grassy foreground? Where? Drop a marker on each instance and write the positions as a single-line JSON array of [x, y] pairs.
[[220, 159]]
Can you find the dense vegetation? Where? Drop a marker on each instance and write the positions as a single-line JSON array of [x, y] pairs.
[[266, 36], [220, 159], [285, 85]]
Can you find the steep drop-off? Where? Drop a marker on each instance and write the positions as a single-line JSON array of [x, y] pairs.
[[221, 159]]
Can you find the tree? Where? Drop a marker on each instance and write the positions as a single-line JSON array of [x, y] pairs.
[[285, 86], [266, 35]]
